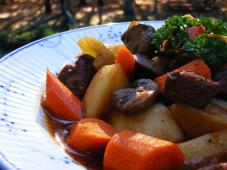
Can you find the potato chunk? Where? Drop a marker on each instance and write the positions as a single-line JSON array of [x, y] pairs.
[[205, 146], [155, 121], [103, 55], [196, 122], [97, 99], [114, 48]]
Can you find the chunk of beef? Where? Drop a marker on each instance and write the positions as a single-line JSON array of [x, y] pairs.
[[77, 77], [190, 88], [141, 95], [138, 39], [66, 72], [206, 161]]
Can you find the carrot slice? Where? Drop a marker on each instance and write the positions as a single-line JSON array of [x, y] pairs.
[[197, 66], [126, 60], [90, 135], [128, 150], [60, 101]]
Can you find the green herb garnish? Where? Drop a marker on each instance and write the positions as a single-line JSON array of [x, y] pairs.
[[213, 25], [174, 30], [211, 49]]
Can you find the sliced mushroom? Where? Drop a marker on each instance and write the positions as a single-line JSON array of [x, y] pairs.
[[157, 65], [180, 60], [150, 68], [140, 96]]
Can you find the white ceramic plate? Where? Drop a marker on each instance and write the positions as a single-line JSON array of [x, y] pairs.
[[25, 142]]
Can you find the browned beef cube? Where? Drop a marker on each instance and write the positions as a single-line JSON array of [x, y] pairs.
[[77, 77], [138, 39], [190, 88]]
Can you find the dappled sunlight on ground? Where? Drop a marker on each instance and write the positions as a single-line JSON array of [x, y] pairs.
[[24, 12], [20, 20]]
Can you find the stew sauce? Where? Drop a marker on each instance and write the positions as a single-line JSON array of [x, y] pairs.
[[59, 130]]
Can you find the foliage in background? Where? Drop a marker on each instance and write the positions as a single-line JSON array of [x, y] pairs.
[[10, 40], [98, 13]]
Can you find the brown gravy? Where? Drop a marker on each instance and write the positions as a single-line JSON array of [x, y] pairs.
[[59, 130]]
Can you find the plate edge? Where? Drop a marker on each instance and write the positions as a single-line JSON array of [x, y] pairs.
[[5, 164], [65, 32]]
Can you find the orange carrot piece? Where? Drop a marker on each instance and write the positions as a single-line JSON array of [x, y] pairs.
[[197, 66], [90, 135], [128, 150], [126, 60], [60, 101]]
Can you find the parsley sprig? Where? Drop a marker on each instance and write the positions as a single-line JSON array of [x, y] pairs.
[[215, 26], [212, 49], [174, 30]]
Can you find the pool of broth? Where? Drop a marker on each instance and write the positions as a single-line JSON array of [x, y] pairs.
[[59, 131]]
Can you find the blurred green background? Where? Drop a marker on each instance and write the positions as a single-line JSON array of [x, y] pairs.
[[23, 21]]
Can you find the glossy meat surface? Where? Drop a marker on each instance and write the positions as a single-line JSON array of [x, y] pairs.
[[141, 95], [77, 77], [138, 39], [190, 88]]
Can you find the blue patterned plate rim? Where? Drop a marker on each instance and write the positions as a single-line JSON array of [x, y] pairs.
[[65, 32], [4, 163]]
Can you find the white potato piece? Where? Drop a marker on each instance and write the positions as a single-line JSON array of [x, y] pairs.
[[155, 121], [97, 99], [196, 122], [103, 55], [204, 146], [114, 48]]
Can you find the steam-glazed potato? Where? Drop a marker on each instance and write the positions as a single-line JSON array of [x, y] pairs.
[[155, 121], [205, 146], [196, 122], [103, 55], [97, 99], [114, 48]]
